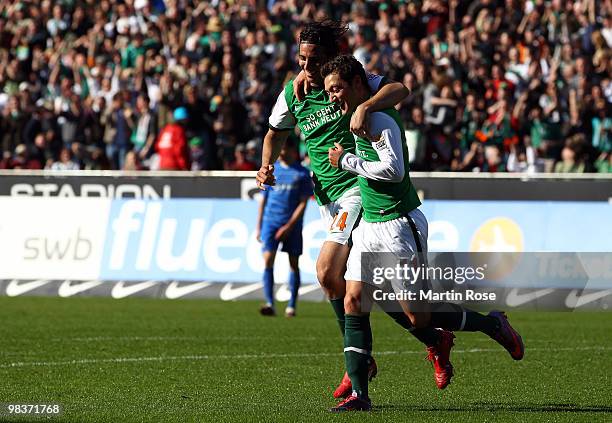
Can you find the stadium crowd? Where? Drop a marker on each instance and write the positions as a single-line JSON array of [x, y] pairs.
[[496, 85]]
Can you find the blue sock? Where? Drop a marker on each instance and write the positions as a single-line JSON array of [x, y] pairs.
[[268, 281], [294, 286]]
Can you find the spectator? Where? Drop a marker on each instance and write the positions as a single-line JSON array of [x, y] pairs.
[[78, 73], [253, 154], [144, 128], [117, 131], [240, 160], [415, 138], [572, 160], [78, 154], [474, 159], [11, 125], [441, 124], [470, 122], [65, 161], [602, 126], [22, 159], [6, 162], [200, 126], [493, 159], [172, 143], [39, 151], [603, 164], [96, 159], [132, 161], [198, 156], [551, 113], [524, 159]]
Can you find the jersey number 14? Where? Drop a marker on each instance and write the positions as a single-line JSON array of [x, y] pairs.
[[339, 222]]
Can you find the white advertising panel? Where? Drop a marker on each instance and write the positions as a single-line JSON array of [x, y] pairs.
[[52, 238]]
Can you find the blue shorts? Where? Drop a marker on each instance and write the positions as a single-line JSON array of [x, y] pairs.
[[292, 245]]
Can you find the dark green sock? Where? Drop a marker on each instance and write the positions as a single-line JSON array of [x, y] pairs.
[[338, 306], [476, 322], [457, 318], [357, 351], [428, 336]]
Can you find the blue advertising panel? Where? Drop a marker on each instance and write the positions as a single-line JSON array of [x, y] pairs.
[[214, 240]]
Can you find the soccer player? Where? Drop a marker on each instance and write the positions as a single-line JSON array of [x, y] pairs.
[[392, 223], [281, 214], [322, 123]]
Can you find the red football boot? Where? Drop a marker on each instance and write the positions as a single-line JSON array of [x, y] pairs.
[[352, 403], [439, 355], [346, 388], [507, 337]]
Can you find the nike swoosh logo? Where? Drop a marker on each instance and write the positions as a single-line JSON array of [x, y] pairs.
[[574, 300], [175, 291], [514, 299], [229, 293], [283, 293], [66, 289], [121, 291], [14, 288]]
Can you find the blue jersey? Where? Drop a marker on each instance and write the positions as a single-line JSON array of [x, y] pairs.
[[293, 183]]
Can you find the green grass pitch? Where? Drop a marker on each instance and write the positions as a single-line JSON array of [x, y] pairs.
[[138, 360]]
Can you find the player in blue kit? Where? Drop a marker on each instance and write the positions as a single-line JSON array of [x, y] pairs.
[[281, 214]]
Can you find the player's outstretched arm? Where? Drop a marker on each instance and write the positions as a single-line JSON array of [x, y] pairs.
[[272, 145], [386, 97], [388, 146]]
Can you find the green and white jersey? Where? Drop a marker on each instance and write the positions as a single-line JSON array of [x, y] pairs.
[[321, 123], [382, 166]]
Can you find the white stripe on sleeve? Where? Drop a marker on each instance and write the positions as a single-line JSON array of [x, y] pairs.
[[281, 117], [390, 167]]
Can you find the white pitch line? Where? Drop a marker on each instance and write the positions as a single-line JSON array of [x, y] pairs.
[[163, 338], [240, 338], [257, 356], [128, 338], [237, 338]]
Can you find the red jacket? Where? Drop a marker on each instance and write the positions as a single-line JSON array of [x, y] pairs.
[[172, 148]]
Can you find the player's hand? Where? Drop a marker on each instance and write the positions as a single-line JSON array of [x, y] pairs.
[[282, 233], [360, 122], [258, 234], [265, 176], [334, 154], [300, 86]]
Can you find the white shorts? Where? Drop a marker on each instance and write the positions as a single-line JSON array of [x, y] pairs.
[[394, 236], [339, 216]]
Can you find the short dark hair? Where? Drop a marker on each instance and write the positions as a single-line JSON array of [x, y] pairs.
[[347, 67], [326, 34], [144, 96]]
